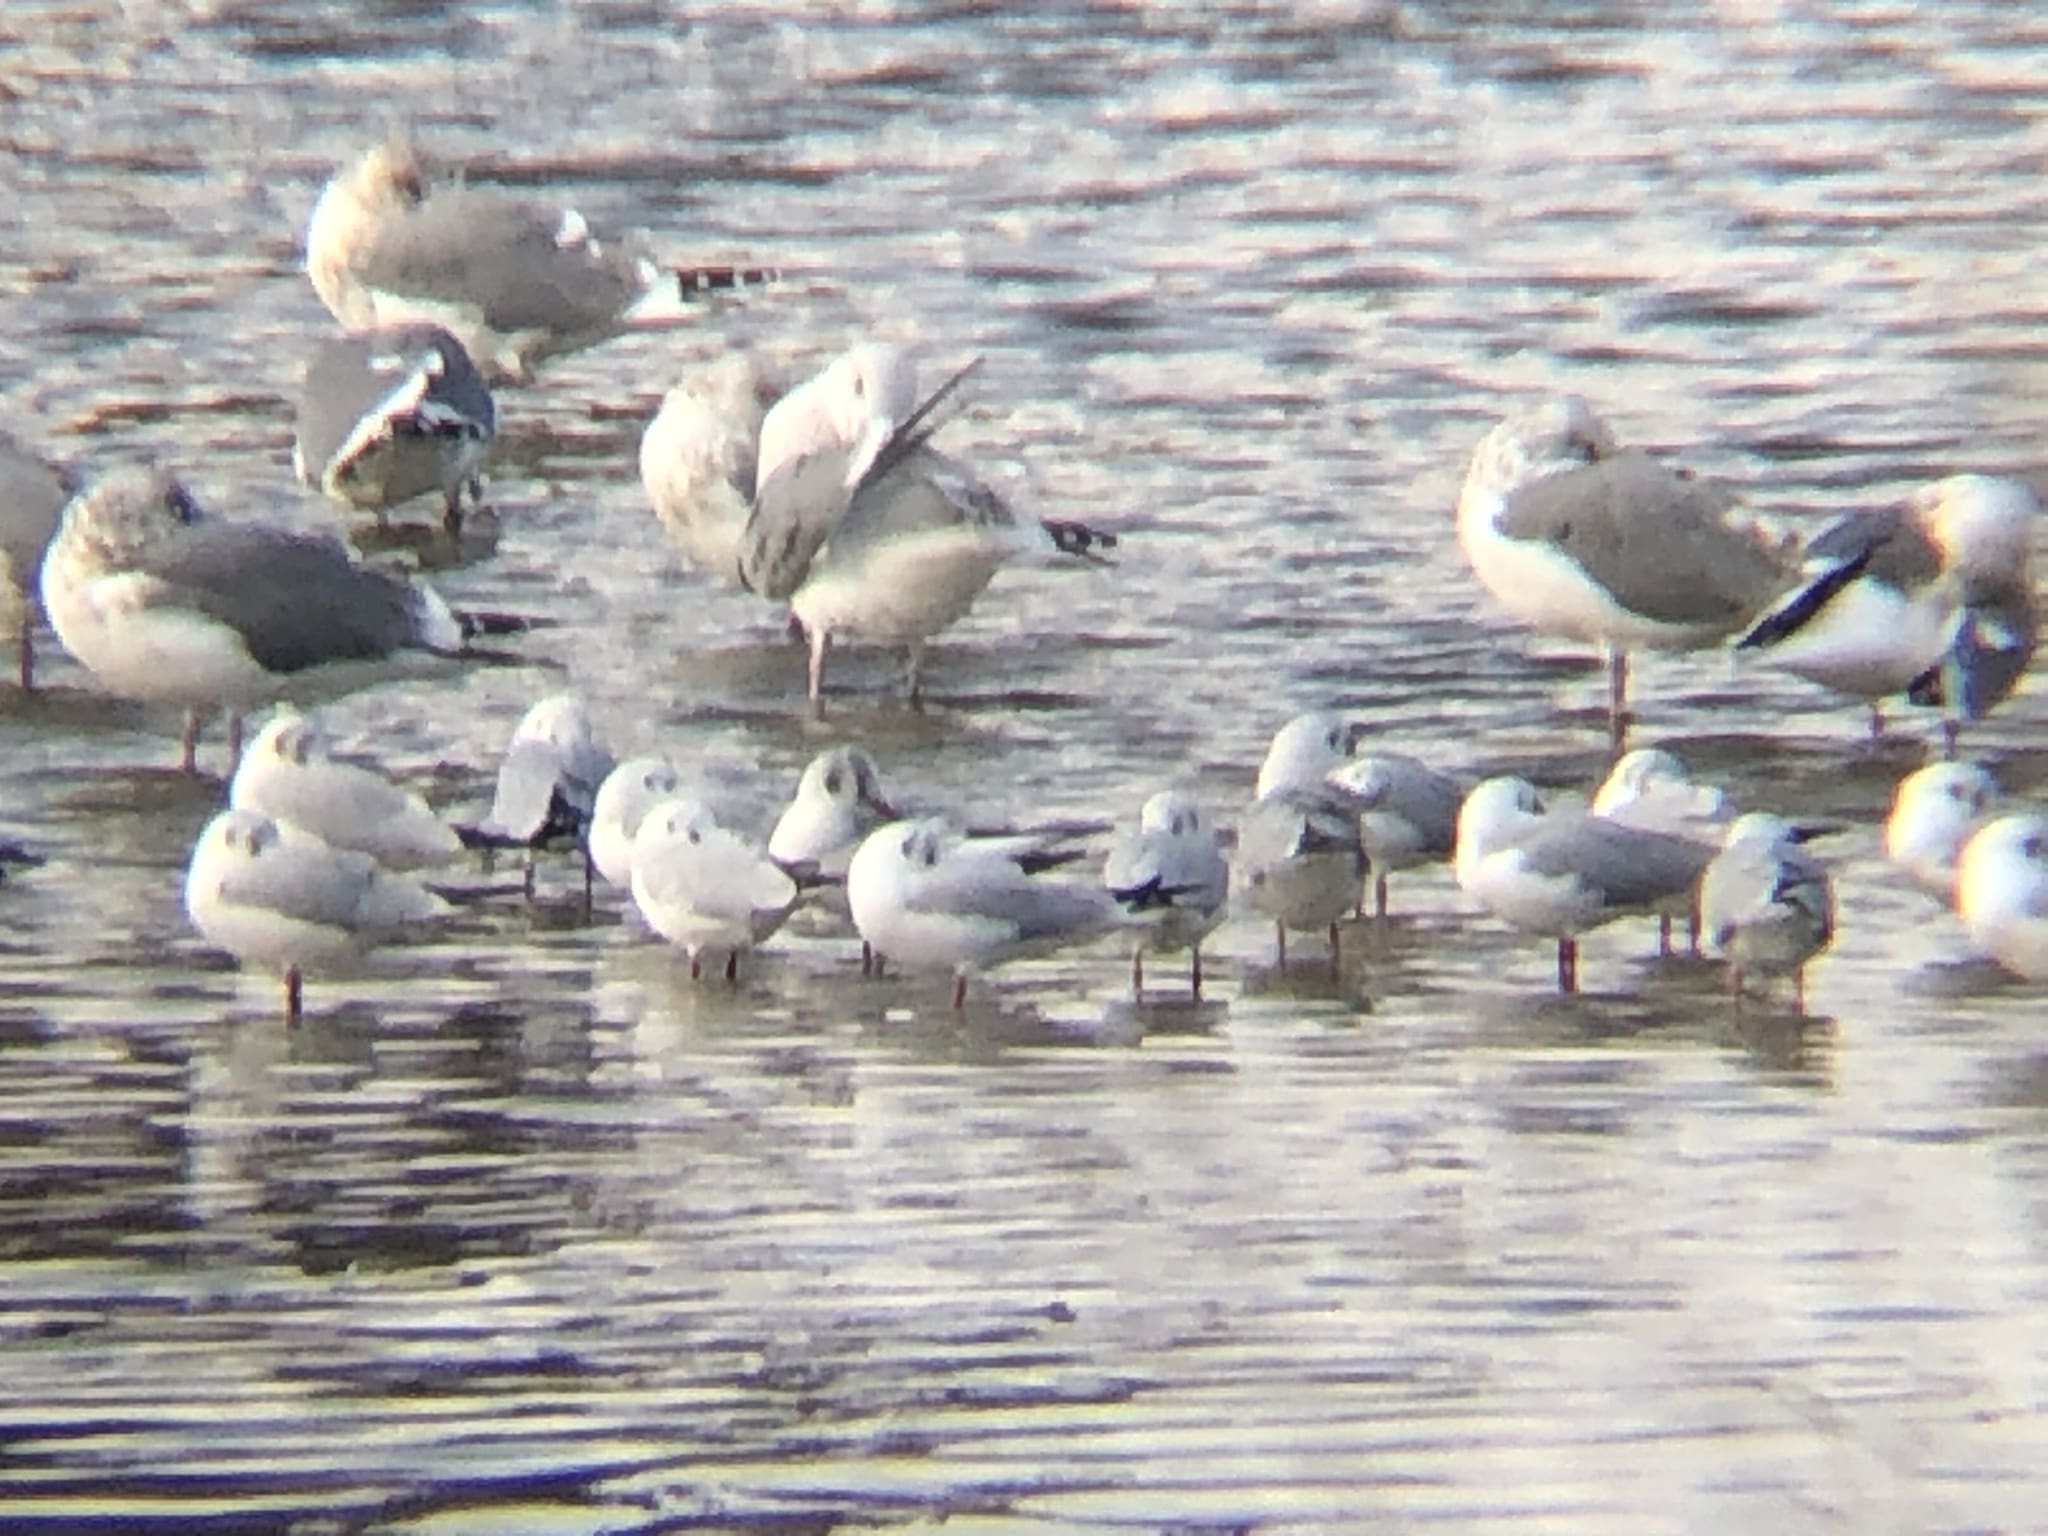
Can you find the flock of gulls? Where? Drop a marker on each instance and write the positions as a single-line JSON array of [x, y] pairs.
[[827, 496]]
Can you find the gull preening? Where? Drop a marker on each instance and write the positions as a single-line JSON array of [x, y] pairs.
[[1563, 874], [391, 414], [1934, 811], [1879, 601], [923, 894], [868, 532], [1578, 537], [2002, 893], [702, 886], [1995, 641], [1170, 880], [289, 773], [547, 786], [1300, 858], [395, 239], [164, 603], [275, 896], [1766, 904], [32, 497]]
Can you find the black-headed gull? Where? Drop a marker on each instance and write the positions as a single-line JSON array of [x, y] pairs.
[[703, 886], [1579, 537], [277, 897], [1934, 811], [628, 793], [162, 602], [391, 414], [924, 894], [1562, 875], [546, 786], [697, 459], [1765, 904], [2002, 893], [1170, 882], [1407, 813], [1299, 858], [289, 773], [394, 238]]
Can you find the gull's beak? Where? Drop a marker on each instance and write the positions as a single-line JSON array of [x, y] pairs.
[[868, 449]]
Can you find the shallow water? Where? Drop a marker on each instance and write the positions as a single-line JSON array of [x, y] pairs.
[[525, 1232]]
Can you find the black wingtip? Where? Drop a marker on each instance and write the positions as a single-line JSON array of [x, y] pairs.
[[1079, 540], [708, 280]]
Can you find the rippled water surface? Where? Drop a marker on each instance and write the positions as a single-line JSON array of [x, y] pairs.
[[527, 1233]]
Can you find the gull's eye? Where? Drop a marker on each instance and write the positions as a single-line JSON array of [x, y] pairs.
[[1336, 742], [2031, 845], [832, 782], [910, 846], [696, 836]]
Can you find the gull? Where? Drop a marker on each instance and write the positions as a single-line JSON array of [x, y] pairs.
[[164, 603], [547, 786], [1578, 537], [1300, 859], [1765, 904], [289, 774], [867, 531], [1407, 813], [1934, 811], [1562, 875], [1995, 641], [697, 460], [924, 894], [1649, 788], [274, 896], [2002, 893], [623, 800], [391, 241], [1169, 877], [839, 800], [32, 497], [394, 413], [1879, 598], [704, 887]]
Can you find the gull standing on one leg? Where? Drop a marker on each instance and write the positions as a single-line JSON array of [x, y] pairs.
[[1579, 537]]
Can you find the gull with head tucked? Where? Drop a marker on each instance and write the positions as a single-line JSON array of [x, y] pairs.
[[1300, 857], [395, 238], [704, 887], [289, 773], [1934, 811], [1579, 537], [2002, 893], [1765, 904]]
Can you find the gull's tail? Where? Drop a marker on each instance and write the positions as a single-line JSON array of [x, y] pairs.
[[1079, 540]]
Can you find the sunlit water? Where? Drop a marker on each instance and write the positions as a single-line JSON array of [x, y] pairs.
[[527, 1233]]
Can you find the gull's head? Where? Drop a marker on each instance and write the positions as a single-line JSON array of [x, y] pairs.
[[630, 789], [847, 779], [1984, 523], [1494, 815], [246, 834], [1173, 813], [2004, 867], [561, 721], [289, 737], [1932, 813], [390, 176], [1561, 434], [1763, 829], [127, 513], [871, 391], [920, 845], [1651, 774], [679, 818], [1304, 751]]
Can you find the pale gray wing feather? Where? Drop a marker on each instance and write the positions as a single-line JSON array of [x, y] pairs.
[[32, 498], [1660, 542], [1631, 868], [995, 890]]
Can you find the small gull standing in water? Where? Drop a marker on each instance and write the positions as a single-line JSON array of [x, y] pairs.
[[867, 531], [623, 800], [1649, 789], [1766, 904], [1934, 811], [704, 887], [274, 896], [164, 603], [1300, 858], [1579, 537], [924, 894], [697, 459], [32, 497], [1407, 813], [547, 786], [1879, 599], [394, 413], [390, 241], [1169, 877], [1562, 875], [839, 800], [2002, 893], [289, 774]]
